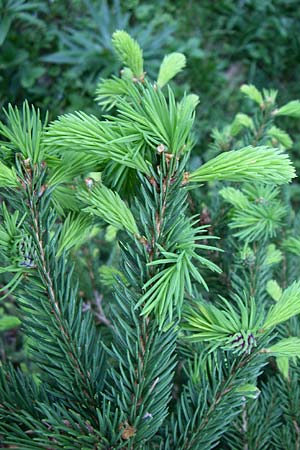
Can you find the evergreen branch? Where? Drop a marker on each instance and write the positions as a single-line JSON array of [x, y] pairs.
[[47, 424], [14, 248], [289, 347], [172, 64], [241, 121], [172, 264], [274, 290], [52, 316], [254, 428], [141, 153], [74, 232], [64, 200], [108, 92], [292, 245], [235, 197], [252, 92], [267, 165], [256, 215], [208, 405], [234, 329], [280, 136], [287, 434], [145, 361], [286, 307], [143, 352], [108, 205], [8, 177], [24, 132], [84, 133], [157, 119], [129, 52], [291, 109], [61, 171]]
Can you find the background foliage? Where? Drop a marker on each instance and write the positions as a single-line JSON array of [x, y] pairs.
[[225, 44]]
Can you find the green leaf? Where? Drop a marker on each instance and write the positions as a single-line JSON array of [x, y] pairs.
[[286, 307], [172, 64], [264, 164], [252, 92], [129, 52], [4, 27], [291, 109]]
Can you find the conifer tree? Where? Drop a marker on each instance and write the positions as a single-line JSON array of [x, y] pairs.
[[173, 365]]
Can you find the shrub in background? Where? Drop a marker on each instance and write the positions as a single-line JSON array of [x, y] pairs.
[[60, 69], [226, 46]]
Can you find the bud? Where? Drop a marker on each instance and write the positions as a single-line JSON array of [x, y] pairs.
[[89, 182], [161, 148]]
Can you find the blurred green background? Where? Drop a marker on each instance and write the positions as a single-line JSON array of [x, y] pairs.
[[53, 52]]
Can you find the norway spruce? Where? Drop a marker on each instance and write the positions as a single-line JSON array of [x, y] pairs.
[[174, 357]]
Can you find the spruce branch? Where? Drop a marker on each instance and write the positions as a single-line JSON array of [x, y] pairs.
[[291, 109], [210, 403], [234, 328], [143, 353], [286, 307], [8, 177], [103, 202], [59, 335], [172, 64], [145, 381], [157, 119], [24, 132], [257, 212], [75, 230], [109, 92], [263, 164], [84, 133], [289, 347], [253, 93], [129, 52]]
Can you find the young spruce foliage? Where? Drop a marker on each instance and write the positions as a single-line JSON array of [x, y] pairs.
[[172, 364]]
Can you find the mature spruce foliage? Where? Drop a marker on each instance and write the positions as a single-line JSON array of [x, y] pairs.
[[173, 365]]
